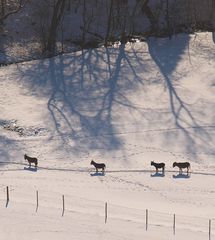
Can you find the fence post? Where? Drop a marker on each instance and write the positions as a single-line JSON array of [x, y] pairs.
[[7, 190], [146, 219], [209, 229], [106, 212], [37, 197], [174, 224], [63, 205]]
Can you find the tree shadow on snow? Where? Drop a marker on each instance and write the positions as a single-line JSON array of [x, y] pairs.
[[166, 54], [9, 148], [85, 90]]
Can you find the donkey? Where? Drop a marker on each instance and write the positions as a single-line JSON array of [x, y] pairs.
[[181, 165], [98, 166], [158, 165], [31, 160]]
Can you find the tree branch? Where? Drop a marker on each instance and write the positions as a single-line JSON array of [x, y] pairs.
[[20, 6]]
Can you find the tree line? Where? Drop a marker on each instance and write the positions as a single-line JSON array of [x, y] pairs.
[[89, 22]]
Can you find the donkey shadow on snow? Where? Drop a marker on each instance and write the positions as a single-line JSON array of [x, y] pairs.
[[97, 174], [32, 169], [158, 174], [181, 175]]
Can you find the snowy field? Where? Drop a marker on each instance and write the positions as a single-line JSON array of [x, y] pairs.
[[125, 106]]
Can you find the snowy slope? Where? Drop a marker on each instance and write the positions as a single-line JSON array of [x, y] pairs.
[[125, 106]]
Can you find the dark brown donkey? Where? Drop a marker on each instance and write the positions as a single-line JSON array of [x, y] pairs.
[[181, 165], [158, 165], [31, 160], [98, 166]]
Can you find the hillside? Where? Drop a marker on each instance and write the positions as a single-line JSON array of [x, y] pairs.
[[37, 29], [125, 105]]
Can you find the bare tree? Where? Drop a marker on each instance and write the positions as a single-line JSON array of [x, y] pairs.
[[144, 7], [10, 7], [117, 20], [168, 19], [41, 19], [57, 14], [110, 10]]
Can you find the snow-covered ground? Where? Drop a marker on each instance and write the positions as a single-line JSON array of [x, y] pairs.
[[125, 106]]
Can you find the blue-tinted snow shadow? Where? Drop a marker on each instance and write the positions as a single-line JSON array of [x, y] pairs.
[[8, 148], [85, 89], [181, 175], [31, 169], [158, 174], [97, 174], [166, 54]]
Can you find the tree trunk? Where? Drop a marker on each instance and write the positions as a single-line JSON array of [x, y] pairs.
[[109, 22], [58, 12], [149, 14], [3, 3]]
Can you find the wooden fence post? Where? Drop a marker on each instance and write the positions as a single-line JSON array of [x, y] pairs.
[[106, 212], [174, 224], [146, 219], [63, 205], [7, 190], [209, 229], [37, 196]]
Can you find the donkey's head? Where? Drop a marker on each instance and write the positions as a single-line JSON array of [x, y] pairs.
[[152, 162], [92, 162], [174, 164]]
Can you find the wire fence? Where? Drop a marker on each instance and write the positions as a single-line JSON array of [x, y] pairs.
[[149, 219]]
